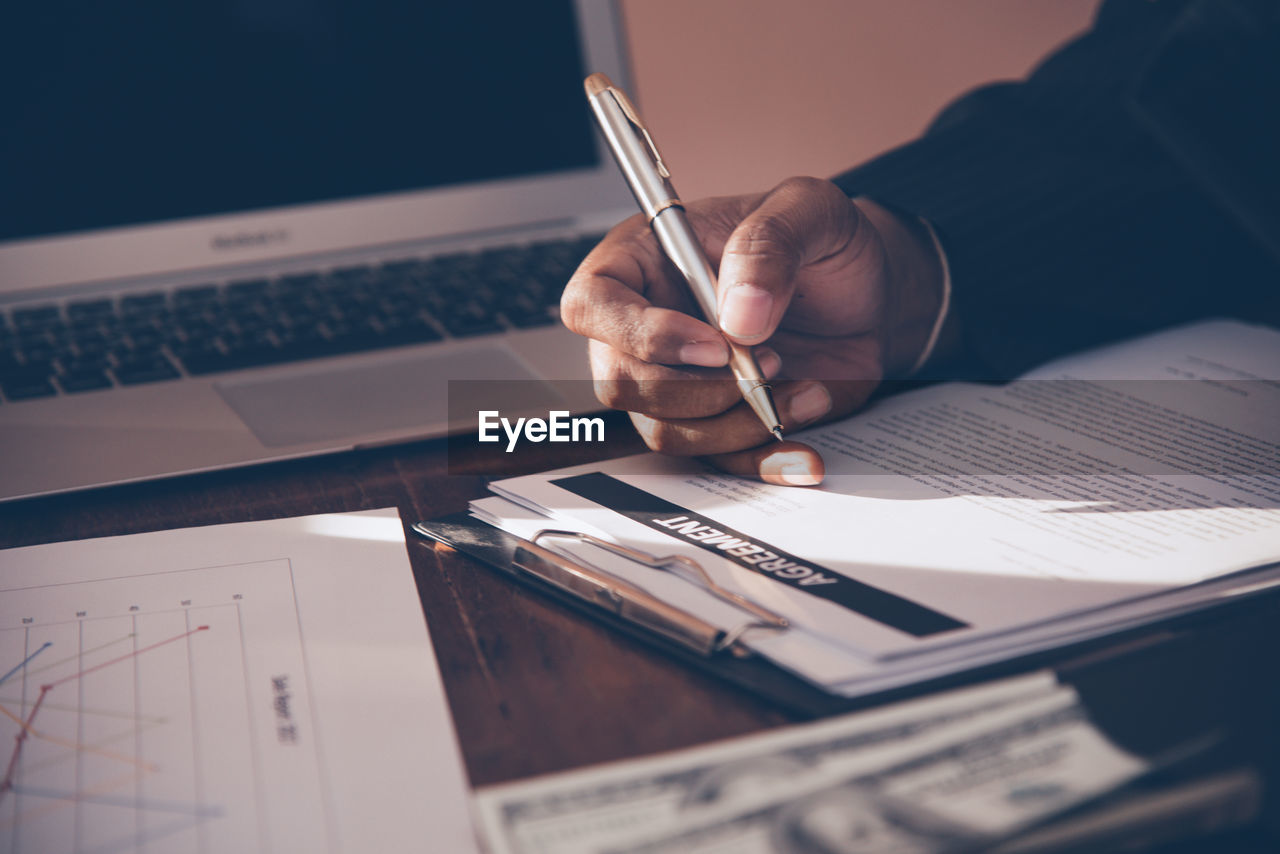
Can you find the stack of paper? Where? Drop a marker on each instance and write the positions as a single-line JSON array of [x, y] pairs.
[[964, 524]]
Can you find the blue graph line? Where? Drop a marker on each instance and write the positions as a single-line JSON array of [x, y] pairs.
[[5, 678]]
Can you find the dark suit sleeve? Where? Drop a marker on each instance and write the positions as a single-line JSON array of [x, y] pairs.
[[1068, 219]]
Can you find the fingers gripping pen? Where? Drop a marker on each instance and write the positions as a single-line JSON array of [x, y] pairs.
[[650, 181]]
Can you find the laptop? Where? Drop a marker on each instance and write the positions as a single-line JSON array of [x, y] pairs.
[[237, 231]]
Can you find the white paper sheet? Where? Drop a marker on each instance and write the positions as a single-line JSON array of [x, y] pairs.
[[262, 686]]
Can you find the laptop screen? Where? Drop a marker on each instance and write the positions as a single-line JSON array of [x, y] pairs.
[[139, 111]]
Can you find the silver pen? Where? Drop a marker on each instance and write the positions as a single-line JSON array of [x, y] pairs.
[[650, 181]]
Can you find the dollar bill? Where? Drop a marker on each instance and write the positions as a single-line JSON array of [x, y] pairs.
[[587, 811], [965, 786]]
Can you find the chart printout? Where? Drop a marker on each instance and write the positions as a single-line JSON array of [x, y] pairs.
[[256, 687]]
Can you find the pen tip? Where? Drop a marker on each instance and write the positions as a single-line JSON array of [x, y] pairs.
[[777, 433]]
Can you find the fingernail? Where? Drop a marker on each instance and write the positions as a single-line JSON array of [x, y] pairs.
[[745, 311], [708, 354], [791, 467], [769, 361], [798, 474], [810, 403]]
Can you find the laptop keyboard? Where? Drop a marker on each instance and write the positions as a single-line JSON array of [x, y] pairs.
[[94, 344]]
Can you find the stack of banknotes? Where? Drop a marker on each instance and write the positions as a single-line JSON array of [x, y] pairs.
[[960, 771]]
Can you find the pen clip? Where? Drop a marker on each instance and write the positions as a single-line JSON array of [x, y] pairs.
[[629, 110]]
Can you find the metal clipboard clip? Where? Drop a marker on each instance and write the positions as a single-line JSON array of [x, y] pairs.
[[637, 606]]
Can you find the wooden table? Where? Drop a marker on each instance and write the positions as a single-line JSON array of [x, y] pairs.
[[535, 689]]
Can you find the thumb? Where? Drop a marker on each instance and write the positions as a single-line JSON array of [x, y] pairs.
[[800, 220]]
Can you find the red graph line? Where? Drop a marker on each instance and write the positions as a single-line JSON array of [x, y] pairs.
[[19, 739], [125, 657], [7, 784]]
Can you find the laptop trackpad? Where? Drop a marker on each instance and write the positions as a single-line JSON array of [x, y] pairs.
[[353, 401]]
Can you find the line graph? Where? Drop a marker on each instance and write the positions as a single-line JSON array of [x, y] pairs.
[[137, 714], [26, 727]]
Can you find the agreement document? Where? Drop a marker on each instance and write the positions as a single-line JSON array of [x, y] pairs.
[[963, 523]]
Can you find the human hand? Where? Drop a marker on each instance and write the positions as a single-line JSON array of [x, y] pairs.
[[835, 295]]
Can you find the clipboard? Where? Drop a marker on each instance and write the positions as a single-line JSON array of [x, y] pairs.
[[716, 652], [694, 643]]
